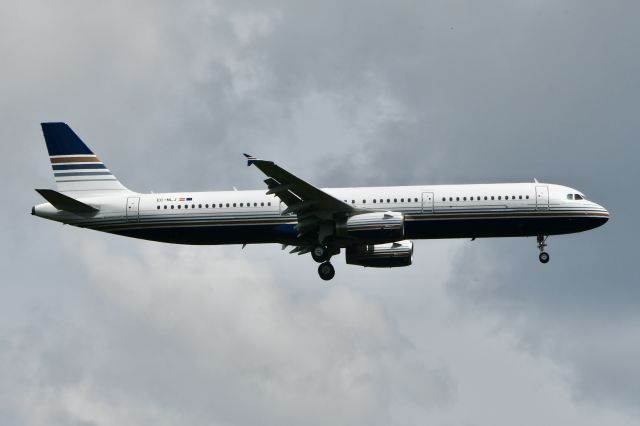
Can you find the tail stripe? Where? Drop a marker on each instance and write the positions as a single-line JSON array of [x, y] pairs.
[[65, 174], [78, 166], [73, 159], [75, 167]]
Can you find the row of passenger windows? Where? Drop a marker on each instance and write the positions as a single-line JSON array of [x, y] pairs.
[[375, 201], [213, 206], [487, 197]]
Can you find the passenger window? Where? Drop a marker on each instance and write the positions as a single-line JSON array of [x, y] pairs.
[[450, 198], [179, 206], [374, 201], [158, 207], [520, 197], [499, 197], [395, 200], [457, 198], [464, 198], [485, 197], [269, 203], [381, 200], [353, 201], [527, 197], [492, 197], [165, 206], [186, 206], [444, 199], [234, 204], [364, 201], [227, 204], [416, 200], [261, 204], [388, 200], [402, 200], [171, 206], [241, 205]]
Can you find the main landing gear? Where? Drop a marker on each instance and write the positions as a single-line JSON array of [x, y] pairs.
[[326, 271], [542, 243], [321, 254]]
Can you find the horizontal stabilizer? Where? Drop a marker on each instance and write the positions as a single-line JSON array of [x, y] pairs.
[[66, 203]]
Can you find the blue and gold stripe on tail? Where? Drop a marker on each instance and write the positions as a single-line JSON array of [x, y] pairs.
[[75, 166]]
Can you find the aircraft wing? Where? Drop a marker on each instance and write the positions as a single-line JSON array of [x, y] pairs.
[[311, 205]]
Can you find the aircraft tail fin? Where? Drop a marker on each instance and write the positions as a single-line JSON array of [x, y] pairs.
[[75, 167], [64, 202]]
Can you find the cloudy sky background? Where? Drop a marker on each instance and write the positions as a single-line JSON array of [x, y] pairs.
[[99, 329]]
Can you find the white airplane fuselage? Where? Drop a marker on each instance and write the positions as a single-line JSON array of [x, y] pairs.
[[249, 217]]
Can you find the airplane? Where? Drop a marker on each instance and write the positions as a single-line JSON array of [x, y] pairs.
[[375, 226]]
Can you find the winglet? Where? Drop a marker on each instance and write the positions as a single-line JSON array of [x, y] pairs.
[[250, 159]]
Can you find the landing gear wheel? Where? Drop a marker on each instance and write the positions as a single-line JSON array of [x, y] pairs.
[[542, 243], [326, 271], [320, 254]]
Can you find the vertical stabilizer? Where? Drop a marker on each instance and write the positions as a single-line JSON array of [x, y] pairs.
[[75, 167]]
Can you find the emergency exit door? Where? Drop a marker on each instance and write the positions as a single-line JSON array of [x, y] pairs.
[[133, 204], [542, 198]]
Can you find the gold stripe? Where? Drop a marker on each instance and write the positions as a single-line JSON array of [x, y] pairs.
[[92, 159]]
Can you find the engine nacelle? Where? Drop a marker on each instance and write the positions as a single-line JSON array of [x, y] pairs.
[[374, 227], [389, 255]]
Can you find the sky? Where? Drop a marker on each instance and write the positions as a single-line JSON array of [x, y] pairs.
[[98, 329]]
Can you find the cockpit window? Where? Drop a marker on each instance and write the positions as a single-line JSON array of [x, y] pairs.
[[579, 197], [569, 196]]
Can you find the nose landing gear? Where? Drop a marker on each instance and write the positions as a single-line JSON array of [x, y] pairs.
[[542, 243]]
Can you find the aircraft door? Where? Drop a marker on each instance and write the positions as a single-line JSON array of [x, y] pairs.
[[427, 202], [133, 204], [542, 198]]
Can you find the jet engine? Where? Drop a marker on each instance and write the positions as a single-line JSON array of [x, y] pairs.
[[388, 255]]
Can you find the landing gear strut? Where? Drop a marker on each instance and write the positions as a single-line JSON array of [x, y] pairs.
[[542, 243], [326, 271]]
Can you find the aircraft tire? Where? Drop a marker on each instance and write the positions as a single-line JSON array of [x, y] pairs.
[[320, 254], [326, 271], [544, 257]]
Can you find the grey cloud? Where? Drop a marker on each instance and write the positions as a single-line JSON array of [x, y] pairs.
[[346, 94]]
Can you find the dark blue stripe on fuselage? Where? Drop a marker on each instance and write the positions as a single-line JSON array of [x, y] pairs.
[[77, 166], [415, 229], [210, 235]]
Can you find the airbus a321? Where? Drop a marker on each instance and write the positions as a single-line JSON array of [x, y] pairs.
[[374, 226]]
